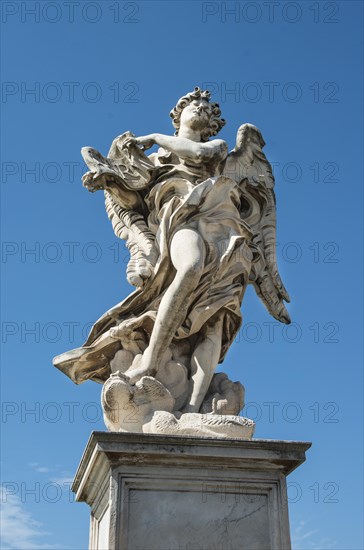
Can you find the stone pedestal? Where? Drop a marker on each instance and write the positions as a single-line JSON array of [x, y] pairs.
[[157, 492]]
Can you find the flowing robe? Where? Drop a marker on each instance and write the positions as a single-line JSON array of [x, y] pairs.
[[179, 197]]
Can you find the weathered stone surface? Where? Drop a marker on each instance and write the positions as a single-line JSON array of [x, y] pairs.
[[154, 492], [147, 406]]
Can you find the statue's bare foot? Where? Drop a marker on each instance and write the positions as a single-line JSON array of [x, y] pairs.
[[140, 367], [134, 375]]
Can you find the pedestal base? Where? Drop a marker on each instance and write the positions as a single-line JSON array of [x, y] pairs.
[[154, 492]]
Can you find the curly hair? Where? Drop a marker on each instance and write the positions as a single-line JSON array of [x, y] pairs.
[[216, 123]]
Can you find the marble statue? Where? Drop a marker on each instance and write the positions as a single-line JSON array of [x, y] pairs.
[[200, 225]]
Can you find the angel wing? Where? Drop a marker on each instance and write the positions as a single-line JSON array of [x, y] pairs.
[[249, 167], [124, 176]]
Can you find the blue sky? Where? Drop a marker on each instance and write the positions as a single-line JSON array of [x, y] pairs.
[[77, 74]]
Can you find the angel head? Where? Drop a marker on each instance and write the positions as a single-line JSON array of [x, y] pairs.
[[195, 111]]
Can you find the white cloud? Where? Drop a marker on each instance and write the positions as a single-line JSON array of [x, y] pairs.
[[304, 538], [63, 477], [42, 469], [19, 530], [38, 468]]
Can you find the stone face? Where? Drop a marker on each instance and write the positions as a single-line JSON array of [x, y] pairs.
[[172, 493], [200, 225]]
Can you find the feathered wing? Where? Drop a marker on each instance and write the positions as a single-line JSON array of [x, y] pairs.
[[124, 175], [249, 167]]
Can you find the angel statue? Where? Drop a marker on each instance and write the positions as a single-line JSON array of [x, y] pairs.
[[200, 225]]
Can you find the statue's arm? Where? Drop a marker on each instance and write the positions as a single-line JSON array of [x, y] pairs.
[[187, 149]]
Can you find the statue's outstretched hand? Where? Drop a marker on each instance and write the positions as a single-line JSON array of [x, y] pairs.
[[145, 142]]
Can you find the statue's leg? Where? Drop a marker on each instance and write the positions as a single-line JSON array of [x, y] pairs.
[[204, 361], [187, 256]]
